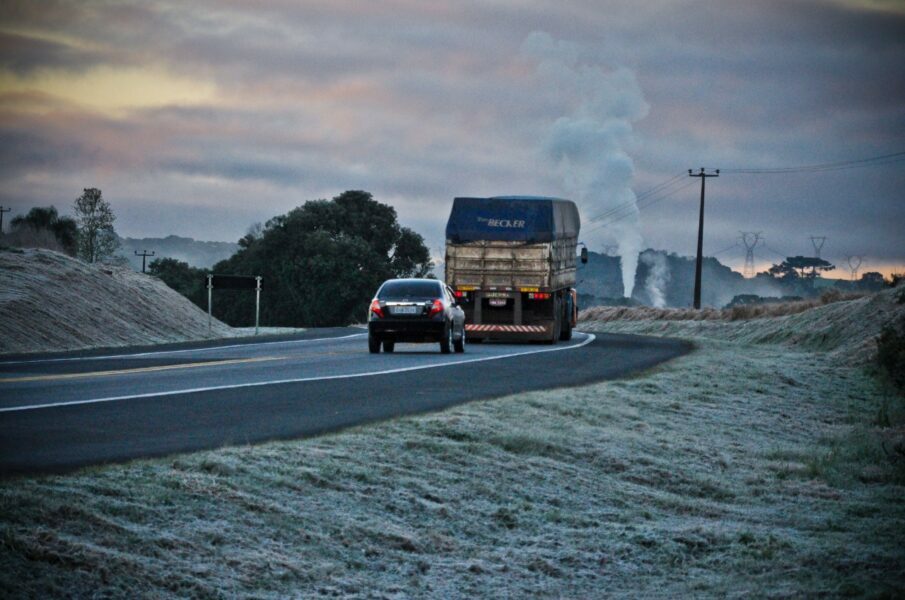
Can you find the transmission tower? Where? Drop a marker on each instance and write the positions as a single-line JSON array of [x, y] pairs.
[[751, 240], [818, 241], [854, 263]]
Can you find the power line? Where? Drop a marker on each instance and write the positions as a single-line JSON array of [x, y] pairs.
[[884, 159], [726, 249], [650, 202], [642, 196], [782, 255]]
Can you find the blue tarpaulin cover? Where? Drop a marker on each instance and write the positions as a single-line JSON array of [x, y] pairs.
[[529, 219]]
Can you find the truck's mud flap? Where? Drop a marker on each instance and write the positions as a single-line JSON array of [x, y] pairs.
[[507, 333]]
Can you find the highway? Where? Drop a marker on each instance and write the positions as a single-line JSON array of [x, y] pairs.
[[62, 411]]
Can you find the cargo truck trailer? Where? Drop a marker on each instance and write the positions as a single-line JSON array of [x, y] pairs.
[[511, 261]]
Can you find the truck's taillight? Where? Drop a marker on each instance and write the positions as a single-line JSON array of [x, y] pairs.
[[375, 308], [539, 296], [436, 307]]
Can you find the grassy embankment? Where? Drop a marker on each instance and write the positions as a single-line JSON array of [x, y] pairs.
[[766, 463]]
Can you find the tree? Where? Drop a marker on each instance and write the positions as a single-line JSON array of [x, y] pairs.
[[321, 262], [800, 268], [97, 238], [63, 229], [185, 279], [411, 257], [872, 280]]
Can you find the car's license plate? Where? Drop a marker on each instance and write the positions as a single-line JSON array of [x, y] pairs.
[[498, 302], [406, 310]]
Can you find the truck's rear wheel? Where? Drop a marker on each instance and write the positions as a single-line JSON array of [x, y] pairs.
[[566, 333], [557, 320]]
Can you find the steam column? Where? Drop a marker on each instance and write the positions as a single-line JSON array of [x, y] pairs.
[[698, 263]]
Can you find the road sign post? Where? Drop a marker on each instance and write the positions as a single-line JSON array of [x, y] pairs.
[[257, 303], [234, 282], [210, 289]]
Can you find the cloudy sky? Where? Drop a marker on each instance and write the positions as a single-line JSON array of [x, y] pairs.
[[200, 118]]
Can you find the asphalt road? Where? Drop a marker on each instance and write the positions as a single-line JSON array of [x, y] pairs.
[[62, 411]]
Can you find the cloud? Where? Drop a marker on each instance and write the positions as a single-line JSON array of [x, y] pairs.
[[210, 103]]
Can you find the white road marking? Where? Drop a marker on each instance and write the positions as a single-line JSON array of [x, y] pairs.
[[159, 352], [591, 337]]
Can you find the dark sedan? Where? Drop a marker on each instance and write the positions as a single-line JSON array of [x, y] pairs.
[[415, 310]]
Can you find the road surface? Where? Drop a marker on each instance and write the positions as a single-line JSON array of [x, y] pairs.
[[59, 412]]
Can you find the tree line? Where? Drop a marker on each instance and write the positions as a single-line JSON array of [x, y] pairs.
[[320, 264], [89, 236]]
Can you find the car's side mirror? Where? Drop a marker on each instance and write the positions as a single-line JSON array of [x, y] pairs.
[[584, 255]]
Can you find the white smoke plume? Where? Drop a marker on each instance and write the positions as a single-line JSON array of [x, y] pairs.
[[657, 277], [588, 142]]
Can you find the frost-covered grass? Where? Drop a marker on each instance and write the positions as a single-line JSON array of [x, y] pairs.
[[52, 302], [847, 330], [738, 470]]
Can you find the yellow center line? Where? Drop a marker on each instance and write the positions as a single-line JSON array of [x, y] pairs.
[[138, 370]]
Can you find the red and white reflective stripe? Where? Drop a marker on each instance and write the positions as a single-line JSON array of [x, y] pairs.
[[513, 328]]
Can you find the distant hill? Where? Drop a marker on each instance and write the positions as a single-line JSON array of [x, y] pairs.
[[196, 253], [669, 279]]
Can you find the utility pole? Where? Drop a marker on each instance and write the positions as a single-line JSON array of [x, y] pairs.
[[750, 239], [698, 263], [144, 254], [3, 210]]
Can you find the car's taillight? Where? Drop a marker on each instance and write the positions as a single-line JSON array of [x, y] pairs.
[[375, 308], [539, 296], [436, 307]]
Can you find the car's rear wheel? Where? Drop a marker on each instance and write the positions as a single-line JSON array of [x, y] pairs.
[[459, 344], [373, 343], [446, 341], [388, 346]]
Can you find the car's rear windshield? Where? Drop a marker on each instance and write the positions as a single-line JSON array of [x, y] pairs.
[[396, 290]]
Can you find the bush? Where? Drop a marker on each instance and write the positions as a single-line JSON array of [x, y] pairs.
[[185, 279], [891, 352]]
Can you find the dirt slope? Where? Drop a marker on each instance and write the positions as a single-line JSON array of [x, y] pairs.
[[50, 301]]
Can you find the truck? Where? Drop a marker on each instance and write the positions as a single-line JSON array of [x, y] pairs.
[[511, 263]]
